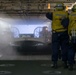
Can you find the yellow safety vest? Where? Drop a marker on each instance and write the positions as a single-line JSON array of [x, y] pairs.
[[56, 23], [72, 23]]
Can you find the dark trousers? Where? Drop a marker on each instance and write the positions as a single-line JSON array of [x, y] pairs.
[[61, 39], [71, 52]]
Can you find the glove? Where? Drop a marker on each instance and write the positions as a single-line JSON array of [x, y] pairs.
[[65, 22]]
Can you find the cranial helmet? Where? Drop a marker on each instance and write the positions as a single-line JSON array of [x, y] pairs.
[[74, 8]]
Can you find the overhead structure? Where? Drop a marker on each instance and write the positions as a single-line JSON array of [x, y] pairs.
[[21, 8]]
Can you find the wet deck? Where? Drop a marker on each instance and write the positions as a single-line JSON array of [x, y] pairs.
[[32, 67]]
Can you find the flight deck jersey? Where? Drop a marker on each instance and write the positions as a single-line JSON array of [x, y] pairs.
[[56, 24]]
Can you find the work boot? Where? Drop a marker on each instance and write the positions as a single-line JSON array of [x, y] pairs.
[[54, 65], [65, 65], [70, 67]]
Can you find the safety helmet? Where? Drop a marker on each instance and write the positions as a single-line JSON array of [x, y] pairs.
[[74, 8], [60, 6]]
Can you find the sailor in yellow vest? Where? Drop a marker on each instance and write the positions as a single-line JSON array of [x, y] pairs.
[[72, 25], [72, 33], [60, 37]]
